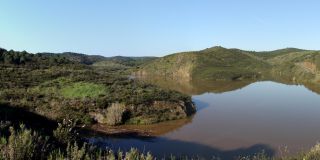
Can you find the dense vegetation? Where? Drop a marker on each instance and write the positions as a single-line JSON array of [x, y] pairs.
[[120, 62], [60, 87], [62, 143], [31, 60]]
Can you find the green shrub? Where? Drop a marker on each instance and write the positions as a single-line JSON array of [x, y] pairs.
[[23, 144], [76, 153], [133, 154], [314, 153], [65, 131], [56, 155]]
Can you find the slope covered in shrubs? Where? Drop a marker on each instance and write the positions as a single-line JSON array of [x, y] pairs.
[[61, 88]]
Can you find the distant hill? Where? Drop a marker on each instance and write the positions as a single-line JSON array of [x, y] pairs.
[[218, 63], [12, 57], [295, 64], [270, 54], [83, 58], [124, 62], [46, 58], [97, 60], [211, 63]]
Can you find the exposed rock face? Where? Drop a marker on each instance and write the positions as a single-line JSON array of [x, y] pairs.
[[175, 110], [177, 67], [308, 67], [157, 111]]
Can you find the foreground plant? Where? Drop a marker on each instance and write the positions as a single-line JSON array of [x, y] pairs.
[[23, 144]]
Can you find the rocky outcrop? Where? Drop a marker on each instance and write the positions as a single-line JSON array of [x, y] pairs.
[[308, 66]]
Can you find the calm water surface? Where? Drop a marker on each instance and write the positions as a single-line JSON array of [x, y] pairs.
[[259, 116]]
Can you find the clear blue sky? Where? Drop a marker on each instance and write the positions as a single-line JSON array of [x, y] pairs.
[[157, 27]]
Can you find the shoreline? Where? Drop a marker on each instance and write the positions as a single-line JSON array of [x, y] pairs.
[[125, 130]]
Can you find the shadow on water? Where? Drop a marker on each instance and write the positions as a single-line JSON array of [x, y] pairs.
[[162, 147], [200, 104], [16, 116]]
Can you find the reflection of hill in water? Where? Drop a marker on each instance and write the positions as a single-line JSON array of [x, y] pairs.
[[198, 87], [313, 87], [292, 80]]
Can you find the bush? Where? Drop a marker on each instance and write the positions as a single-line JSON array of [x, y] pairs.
[[23, 144], [65, 131], [76, 153], [314, 153], [115, 114]]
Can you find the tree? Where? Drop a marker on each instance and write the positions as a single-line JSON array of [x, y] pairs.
[[16, 57], [1, 55], [8, 59], [2, 51]]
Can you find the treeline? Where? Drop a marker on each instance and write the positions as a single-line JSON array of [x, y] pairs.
[[12, 57]]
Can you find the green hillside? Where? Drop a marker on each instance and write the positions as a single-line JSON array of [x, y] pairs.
[[213, 63], [97, 60], [301, 65], [218, 63]]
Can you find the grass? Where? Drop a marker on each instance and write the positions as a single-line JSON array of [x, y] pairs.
[[66, 88], [83, 89]]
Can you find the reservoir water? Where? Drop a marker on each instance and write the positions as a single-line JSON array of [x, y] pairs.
[[234, 119]]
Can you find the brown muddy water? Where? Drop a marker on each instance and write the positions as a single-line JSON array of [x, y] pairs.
[[233, 119]]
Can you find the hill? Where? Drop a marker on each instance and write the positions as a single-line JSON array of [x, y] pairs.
[[218, 63], [295, 64], [123, 62], [20, 58], [213, 63], [83, 58]]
